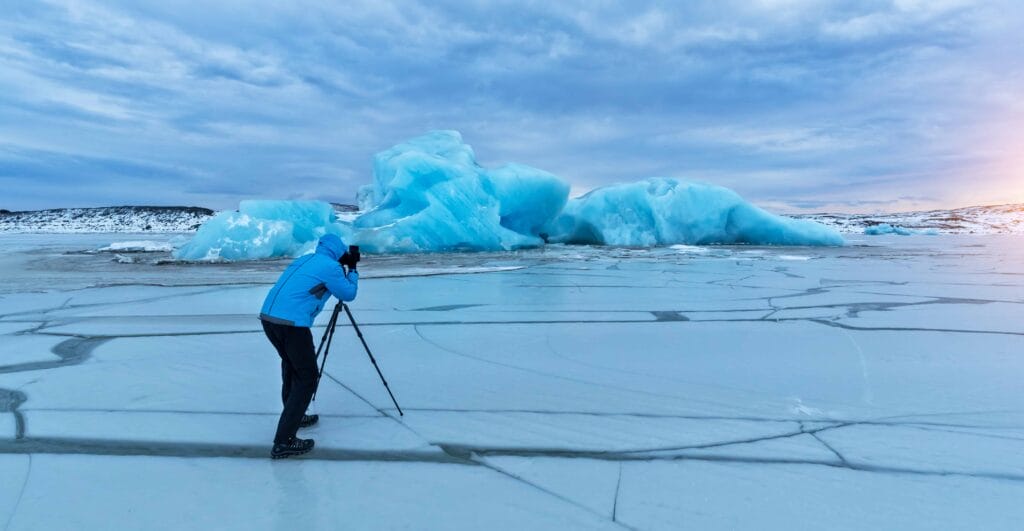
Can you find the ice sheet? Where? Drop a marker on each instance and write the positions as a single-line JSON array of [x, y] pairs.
[[589, 483], [8, 426], [14, 469], [250, 494], [7, 329], [199, 373], [22, 351], [708, 495], [193, 433], [868, 386], [931, 448]]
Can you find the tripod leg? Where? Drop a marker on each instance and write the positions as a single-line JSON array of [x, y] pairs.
[[326, 340], [372, 360], [323, 339]]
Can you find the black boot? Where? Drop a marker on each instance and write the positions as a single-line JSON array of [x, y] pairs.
[[309, 420], [296, 446]]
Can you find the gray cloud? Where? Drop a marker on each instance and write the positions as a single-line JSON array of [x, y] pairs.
[[789, 102]]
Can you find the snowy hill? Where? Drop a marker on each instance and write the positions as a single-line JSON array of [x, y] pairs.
[[120, 219], [105, 219], [996, 219]]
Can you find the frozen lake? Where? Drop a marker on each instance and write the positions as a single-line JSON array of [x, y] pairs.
[[878, 385]]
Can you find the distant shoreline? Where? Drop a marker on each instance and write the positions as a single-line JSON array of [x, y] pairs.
[[994, 219]]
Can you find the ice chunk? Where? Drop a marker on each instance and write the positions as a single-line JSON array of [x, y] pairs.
[[429, 194], [142, 246], [690, 249], [885, 228], [263, 229], [662, 211]]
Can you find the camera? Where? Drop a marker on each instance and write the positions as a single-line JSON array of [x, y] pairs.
[[351, 257]]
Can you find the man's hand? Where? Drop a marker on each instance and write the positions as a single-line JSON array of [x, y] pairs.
[[349, 260]]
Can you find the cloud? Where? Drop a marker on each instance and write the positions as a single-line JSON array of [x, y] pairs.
[[789, 102]]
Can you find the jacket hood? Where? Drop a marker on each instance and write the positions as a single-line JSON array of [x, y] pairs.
[[331, 246]]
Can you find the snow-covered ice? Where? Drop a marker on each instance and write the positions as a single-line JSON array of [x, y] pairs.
[[875, 385], [139, 246]]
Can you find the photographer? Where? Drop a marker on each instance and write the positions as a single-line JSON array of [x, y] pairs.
[[288, 311]]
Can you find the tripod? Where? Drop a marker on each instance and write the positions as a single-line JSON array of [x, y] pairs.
[[325, 344]]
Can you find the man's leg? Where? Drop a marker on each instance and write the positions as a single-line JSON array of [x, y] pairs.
[[298, 347], [273, 332], [287, 375]]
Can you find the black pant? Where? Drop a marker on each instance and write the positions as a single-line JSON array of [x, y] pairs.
[[298, 374]]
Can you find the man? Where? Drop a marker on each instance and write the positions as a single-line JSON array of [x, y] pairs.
[[288, 312]]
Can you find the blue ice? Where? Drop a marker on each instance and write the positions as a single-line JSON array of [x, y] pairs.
[[263, 229], [429, 194], [885, 228], [662, 211]]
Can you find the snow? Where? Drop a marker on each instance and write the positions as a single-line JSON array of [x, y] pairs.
[[875, 385], [135, 219], [993, 219], [662, 211]]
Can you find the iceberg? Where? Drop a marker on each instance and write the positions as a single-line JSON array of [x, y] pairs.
[[886, 228], [665, 211], [263, 229], [430, 194]]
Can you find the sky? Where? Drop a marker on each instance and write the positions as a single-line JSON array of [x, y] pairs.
[[798, 105]]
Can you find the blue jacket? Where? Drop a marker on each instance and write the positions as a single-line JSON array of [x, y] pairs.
[[309, 281]]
